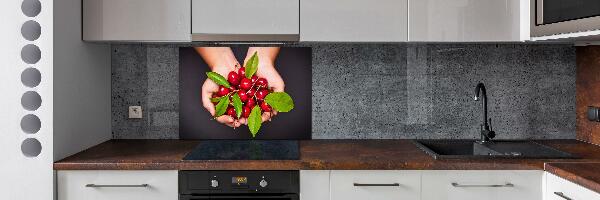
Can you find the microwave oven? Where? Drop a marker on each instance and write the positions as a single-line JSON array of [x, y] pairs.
[[553, 17]]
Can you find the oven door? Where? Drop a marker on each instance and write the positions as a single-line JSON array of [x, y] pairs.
[[239, 197], [551, 17]]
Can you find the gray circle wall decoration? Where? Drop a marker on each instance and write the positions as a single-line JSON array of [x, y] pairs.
[[31, 100], [31, 54], [31, 8], [31, 30], [30, 124], [31, 77], [31, 147]]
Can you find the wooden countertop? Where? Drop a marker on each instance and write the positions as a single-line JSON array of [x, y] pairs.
[[584, 174], [314, 154], [331, 155]]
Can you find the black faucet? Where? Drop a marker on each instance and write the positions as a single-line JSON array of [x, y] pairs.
[[487, 134]]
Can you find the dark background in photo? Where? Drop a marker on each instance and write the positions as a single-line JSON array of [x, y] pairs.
[[295, 67]]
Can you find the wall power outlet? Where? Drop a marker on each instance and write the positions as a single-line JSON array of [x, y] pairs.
[[135, 112]]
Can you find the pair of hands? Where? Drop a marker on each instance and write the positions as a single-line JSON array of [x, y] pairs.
[[222, 61]]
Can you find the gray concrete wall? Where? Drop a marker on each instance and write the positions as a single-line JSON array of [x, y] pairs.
[[380, 91]]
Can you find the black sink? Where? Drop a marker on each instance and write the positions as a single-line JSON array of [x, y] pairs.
[[469, 149]]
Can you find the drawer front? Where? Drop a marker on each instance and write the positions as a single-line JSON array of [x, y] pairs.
[[243, 17], [117, 185], [560, 189], [314, 184], [477, 185], [375, 185]]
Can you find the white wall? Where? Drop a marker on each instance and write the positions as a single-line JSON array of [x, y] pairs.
[[21, 177], [82, 109], [75, 104]]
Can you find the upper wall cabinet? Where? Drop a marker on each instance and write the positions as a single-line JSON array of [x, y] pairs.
[[307, 20], [353, 20], [245, 20], [136, 20], [468, 20]]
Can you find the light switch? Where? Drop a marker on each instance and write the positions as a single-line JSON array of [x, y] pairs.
[[135, 112]]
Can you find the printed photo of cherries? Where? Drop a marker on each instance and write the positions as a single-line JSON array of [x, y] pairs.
[[251, 92], [245, 95]]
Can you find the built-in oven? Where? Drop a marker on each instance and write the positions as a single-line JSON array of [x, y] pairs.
[[237, 185], [552, 17]]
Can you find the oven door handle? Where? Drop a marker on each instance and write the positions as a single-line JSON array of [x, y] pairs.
[[241, 196]]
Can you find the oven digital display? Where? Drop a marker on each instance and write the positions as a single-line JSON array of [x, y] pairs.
[[239, 180]]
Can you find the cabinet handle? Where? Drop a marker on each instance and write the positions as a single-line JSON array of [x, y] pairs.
[[115, 186], [376, 184], [562, 195], [493, 185]]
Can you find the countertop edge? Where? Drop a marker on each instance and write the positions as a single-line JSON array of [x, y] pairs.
[[572, 176]]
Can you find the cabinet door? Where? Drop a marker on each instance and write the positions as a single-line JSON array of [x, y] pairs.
[[136, 20], [314, 185], [353, 20], [243, 20], [560, 189], [478, 185], [375, 185], [117, 185], [468, 20]]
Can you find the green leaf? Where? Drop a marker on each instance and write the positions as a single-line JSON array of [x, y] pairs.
[[221, 107], [252, 65], [280, 101], [254, 121], [218, 79], [237, 104], [215, 99]]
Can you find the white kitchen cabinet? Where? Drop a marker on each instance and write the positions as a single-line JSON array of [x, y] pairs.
[[560, 189], [314, 184], [468, 20], [353, 20], [136, 20], [375, 185], [117, 185], [478, 185], [244, 20]]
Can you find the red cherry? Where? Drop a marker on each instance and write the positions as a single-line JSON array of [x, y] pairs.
[[233, 87], [251, 93], [246, 112], [242, 71], [254, 78], [245, 84], [222, 91], [262, 82], [243, 95], [231, 112], [251, 103], [261, 94], [265, 107], [233, 78]]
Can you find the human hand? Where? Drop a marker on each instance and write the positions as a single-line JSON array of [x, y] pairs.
[[221, 61], [267, 70]]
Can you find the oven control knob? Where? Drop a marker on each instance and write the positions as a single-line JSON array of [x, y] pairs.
[[214, 183], [263, 183]]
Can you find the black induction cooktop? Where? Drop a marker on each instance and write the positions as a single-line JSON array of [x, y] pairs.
[[245, 150]]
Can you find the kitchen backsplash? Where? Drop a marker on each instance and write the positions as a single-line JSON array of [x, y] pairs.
[[381, 91]]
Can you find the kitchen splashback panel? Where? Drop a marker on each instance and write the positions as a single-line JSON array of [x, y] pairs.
[[381, 91]]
